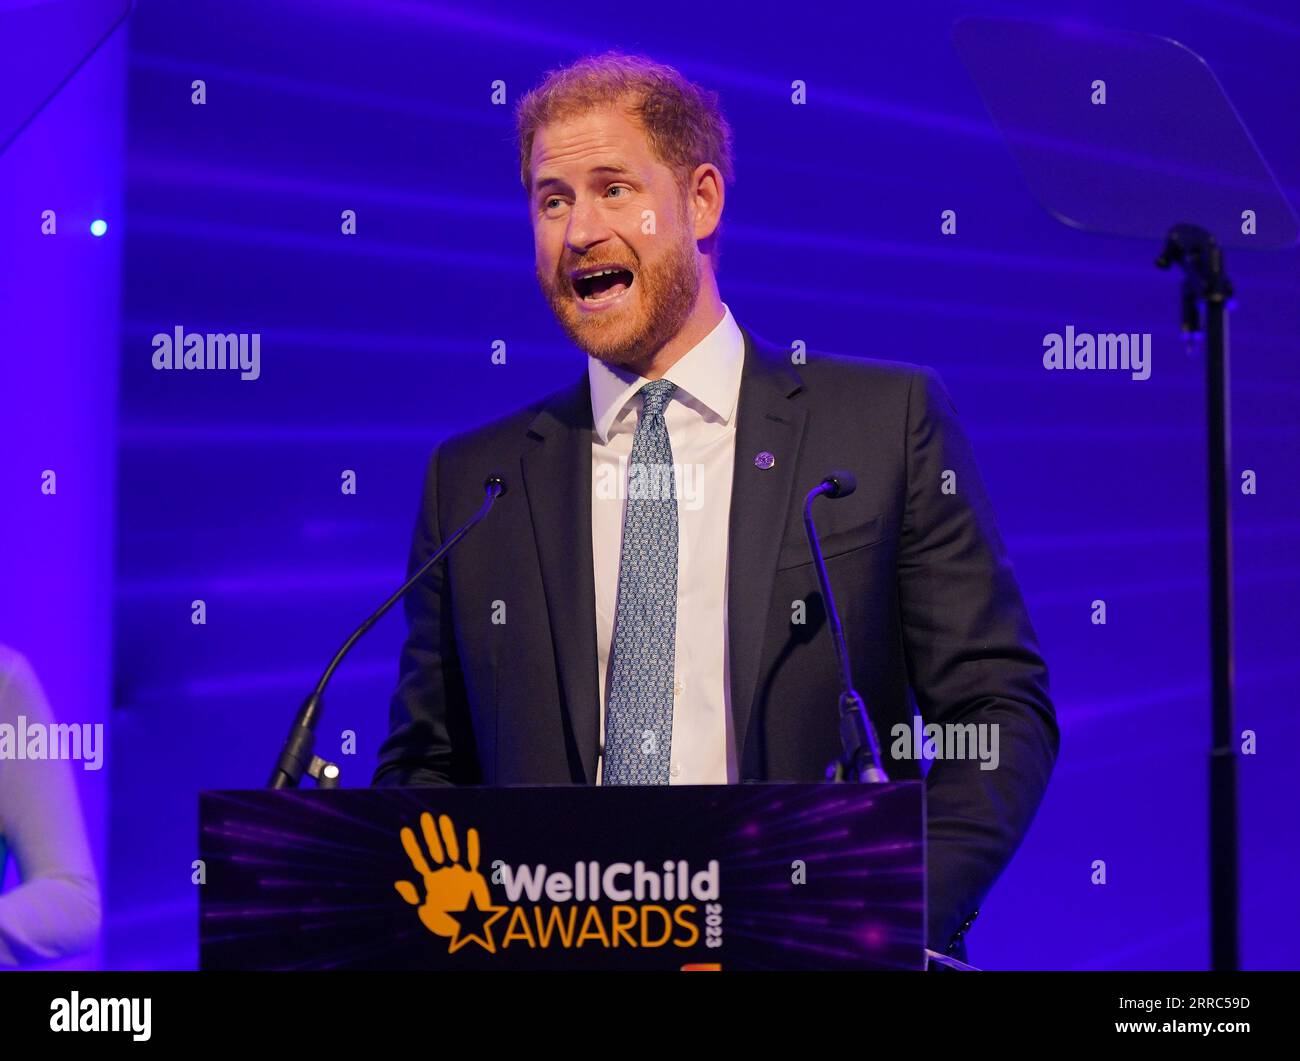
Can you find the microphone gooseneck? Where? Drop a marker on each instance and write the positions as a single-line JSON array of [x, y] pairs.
[[297, 758], [860, 760]]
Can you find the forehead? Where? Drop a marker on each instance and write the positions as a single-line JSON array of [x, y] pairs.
[[607, 136]]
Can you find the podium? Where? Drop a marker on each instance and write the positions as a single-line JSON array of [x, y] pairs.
[[707, 877]]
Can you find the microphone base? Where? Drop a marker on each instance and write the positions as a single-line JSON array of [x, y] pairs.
[[298, 758], [866, 774], [860, 762]]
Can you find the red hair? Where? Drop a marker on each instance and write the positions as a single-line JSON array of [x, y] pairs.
[[683, 122]]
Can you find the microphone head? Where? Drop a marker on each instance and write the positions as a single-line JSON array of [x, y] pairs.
[[495, 481], [841, 483]]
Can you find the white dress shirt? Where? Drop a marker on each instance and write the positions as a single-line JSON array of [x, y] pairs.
[[701, 422]]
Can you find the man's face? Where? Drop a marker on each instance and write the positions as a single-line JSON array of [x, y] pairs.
[[594, 177]]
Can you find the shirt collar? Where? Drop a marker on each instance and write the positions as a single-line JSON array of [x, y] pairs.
[[707, 378]]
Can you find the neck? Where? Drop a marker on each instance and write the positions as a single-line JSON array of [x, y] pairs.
[[704, 317]]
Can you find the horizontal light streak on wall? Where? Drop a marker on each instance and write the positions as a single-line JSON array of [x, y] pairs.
[[224, 232], [199, 67], [155, 170]]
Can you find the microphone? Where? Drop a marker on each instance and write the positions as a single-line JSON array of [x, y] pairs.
[[860, 760], [297, 757], [839, 484]]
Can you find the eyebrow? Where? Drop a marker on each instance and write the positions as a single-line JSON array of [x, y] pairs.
[[616, 170]]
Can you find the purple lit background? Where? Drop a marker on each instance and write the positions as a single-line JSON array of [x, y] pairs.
[[226, 218]]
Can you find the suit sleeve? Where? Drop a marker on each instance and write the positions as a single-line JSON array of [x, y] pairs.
[[972, 657], [429, 741]]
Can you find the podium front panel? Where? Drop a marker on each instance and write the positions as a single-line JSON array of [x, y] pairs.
[[731, 877]]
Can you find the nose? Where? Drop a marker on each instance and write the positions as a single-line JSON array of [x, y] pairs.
[[587, 226]]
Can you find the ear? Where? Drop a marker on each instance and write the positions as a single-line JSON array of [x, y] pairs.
[[706, 197]]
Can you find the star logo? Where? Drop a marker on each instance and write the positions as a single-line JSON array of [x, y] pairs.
[[474, 923]]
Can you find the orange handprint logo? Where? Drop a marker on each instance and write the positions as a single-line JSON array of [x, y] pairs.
[[451, 888]]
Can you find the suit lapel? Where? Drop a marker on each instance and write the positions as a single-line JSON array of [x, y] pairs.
[[557, 479], [767, 422]]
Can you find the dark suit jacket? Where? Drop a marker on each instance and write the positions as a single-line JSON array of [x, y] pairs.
[[926, 592]]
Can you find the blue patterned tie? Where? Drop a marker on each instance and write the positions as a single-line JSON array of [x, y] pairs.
[[639, 715]]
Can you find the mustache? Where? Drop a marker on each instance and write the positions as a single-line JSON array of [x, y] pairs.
[[590, 263]]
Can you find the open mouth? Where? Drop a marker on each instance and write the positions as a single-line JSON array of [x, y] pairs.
[[602, 285]]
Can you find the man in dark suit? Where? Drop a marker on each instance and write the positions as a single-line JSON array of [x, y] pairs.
[[608, 627]]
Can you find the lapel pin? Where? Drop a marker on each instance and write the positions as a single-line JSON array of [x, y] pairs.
[[764, 460]]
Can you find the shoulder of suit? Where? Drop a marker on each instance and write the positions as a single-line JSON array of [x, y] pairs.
[[510, 427], [843, 375]]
